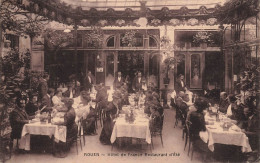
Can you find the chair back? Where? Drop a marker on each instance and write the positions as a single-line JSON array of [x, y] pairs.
[[187, 126], [161, 122], [181, 115], [11, 119], [189, 131], [80, 127]]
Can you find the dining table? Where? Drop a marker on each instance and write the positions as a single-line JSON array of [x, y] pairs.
[[138, 128], [222, 130], [35, 127]]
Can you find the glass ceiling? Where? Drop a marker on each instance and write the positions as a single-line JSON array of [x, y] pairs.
[[120, 5]]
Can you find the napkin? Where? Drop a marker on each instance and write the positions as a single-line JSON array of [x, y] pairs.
[[204, 136], [235, 128]]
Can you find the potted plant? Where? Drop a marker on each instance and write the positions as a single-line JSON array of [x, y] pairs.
[[95, 37], [168, 57], [129, 38], [203, 38], [248, 84]]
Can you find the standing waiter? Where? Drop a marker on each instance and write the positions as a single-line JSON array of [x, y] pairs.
[[89, 81], [180, 84]]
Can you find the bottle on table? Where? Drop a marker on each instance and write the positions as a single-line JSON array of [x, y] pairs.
[[49, 117]]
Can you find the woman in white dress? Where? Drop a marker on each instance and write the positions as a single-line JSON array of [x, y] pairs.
[[57, 98]]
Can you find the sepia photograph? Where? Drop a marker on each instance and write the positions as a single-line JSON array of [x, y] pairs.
[[128, 81]]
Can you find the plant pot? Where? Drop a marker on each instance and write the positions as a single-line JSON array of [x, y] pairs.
[[203, 45]]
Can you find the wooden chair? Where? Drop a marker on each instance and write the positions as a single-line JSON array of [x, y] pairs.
[[183, 120], [102, 117], [187, 135], [157, 131], [197, 145], [97, 117], [81, 132], [100, 114], [6, 142], [173, 104], [178, 116], [79, 135]]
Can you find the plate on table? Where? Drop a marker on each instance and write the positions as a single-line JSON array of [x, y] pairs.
[[35, 120], [212, 127]]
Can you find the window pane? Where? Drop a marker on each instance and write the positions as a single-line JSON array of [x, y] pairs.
[[111, 42], [152, 42]]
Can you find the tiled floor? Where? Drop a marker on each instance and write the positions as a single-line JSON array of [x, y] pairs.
[[173, 145]]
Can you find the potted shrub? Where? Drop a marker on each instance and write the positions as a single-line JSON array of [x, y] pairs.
[[203, 38], [129, 38], [95, 37]]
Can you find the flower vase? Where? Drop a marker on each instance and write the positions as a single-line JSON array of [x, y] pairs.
[[131, 117]]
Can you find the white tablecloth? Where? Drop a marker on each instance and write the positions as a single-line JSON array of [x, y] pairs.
[[230, 137], [138, 129], [59, 133]]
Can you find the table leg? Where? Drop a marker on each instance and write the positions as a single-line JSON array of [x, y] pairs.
[[53, 144]]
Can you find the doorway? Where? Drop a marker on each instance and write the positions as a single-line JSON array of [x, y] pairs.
[[129, 63]]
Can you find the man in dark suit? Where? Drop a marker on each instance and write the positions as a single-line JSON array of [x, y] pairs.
[[101, 92], [183, 105], [223, 103], [72, 92], [119, 81], [138, 82], [18, 117], [31, 107], [180, 84], [43, 86], [46, 101], [251, 128], [117, 100], [89, 81], [179, 98]]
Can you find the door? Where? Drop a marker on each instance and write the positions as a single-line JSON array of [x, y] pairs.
[[195, 66], [129, 63]]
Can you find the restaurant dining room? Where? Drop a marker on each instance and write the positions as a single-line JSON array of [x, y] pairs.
[[129, 80]]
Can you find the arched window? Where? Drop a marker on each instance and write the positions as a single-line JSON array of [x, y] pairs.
[[111, 41], [152, 42]]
